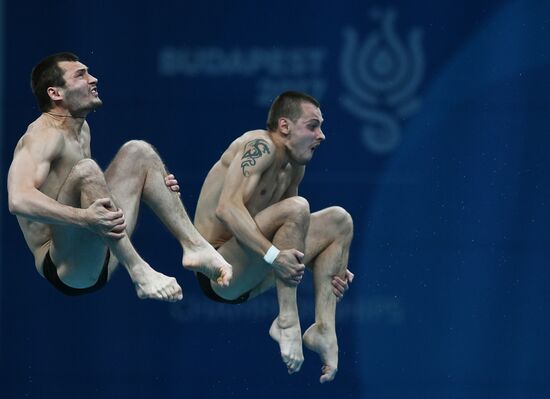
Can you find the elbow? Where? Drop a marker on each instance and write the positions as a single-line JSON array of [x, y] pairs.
[[14, 205], [222, 213], [18, 203]]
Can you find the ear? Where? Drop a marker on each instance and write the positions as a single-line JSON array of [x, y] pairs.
[[55, 93], [284, 125]]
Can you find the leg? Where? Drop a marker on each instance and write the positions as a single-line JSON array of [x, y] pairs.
[[75, 246], [286, 224], [285, 329], [137, 173], [327, 251]]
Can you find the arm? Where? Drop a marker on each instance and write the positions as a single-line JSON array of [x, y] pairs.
[[28, 171], [241, 180], [30, 168]]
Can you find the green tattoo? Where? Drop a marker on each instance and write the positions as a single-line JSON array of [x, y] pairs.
[[253, 150]]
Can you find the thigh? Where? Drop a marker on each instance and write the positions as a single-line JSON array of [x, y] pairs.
[[78, 253], [126, 182], [320, 234], [250, 271]]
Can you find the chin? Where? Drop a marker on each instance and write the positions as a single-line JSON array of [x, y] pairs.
[[301, 161], [96, 104]]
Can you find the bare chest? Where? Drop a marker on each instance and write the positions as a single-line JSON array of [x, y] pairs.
[[270, 190]]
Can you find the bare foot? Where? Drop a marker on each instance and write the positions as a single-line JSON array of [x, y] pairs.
[[151, 284], [290, 343], [206, 260], [324, 343]]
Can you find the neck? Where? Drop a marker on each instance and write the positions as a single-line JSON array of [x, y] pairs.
[[63, 119], [281, 148]]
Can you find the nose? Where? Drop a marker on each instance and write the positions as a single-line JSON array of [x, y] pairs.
[[321, 135], [92, 79]]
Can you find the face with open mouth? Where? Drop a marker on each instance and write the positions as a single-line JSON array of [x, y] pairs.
[[80, 93], [305, 135]]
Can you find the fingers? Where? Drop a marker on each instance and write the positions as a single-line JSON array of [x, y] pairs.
[[115, 236], [339, 283], [288, 279], [119, 219], [105, 202], [295, 277], [172, 183], [104, 206], [115, 220], [299, 255], [293, 280], [114, 217], [115, 228], [112, 224], [119, 228], [289, 267], [339, 287]]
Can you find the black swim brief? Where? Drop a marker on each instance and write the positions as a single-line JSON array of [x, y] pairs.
[[204, 283], [50, 272]]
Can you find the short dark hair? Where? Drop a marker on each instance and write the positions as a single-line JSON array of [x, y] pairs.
[[288, 104], [47, 73]]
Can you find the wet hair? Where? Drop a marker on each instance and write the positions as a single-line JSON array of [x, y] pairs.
[[288, 104], [48, 73]]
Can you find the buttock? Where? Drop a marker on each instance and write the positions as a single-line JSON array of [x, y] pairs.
[[50, 273], [206, 286]]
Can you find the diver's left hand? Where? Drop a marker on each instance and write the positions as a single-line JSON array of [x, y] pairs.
[[341, 285], [172, 183]]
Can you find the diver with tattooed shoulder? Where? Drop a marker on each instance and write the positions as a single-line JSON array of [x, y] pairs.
[[250, 211]]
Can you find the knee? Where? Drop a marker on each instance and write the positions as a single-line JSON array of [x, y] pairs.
[[139, 150], [297, 209], [87, 169], [342, 220]]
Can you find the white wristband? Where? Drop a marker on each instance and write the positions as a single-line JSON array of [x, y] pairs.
[[271, 254]]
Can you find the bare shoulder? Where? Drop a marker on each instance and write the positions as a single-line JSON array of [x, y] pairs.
[[246, 142], [250, 136], [40, 139], [256, 136], [258, 146], [258, 153]]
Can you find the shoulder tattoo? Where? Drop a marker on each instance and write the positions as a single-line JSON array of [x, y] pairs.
[[253, 150]]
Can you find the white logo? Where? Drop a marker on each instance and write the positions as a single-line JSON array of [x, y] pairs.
[[382, 77], [273, 70]]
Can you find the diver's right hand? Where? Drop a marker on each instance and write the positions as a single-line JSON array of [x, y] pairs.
[[103, 220], [288, 266]]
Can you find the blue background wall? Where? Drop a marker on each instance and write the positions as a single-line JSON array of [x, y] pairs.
[[437, 124]]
